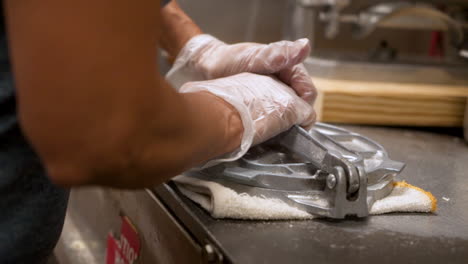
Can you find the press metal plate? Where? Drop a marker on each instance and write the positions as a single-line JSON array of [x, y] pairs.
[[326, 171]]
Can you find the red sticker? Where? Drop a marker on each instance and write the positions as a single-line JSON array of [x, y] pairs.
[[129, 240], [125, 250], [114, 255]]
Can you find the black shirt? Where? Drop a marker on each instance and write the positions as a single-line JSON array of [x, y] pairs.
[[32, 209]]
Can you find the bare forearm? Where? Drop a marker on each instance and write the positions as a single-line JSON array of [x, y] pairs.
[[149, 149], [212, 128], [176, 29]]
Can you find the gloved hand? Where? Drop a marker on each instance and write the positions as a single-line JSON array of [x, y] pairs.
[[204, 57], [266, 106]]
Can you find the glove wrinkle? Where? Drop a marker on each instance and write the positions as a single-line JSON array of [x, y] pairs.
[[266, 106], [204, 57]]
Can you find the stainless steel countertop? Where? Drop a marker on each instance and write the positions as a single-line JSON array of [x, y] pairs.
[[435, 162]]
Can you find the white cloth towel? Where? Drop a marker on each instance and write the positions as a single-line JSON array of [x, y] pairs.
[[223, 202]]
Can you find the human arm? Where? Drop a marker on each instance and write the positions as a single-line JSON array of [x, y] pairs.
[[177, 28], [90, 103]]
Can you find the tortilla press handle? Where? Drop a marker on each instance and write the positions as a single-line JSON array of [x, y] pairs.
[[308, 147]]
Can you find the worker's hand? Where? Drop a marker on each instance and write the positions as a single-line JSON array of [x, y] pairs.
[[266, 106], [205, 57]]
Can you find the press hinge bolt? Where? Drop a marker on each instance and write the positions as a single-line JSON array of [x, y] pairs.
[[331, 181]]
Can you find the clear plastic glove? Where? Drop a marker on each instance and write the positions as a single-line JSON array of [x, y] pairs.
[[204, 57], [266, 106]]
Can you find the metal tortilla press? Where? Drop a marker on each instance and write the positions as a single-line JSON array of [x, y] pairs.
[[327, 171]]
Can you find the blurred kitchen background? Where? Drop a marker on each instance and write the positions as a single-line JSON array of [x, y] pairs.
[[377, 62]]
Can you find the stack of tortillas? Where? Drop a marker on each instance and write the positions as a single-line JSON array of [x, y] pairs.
[[382, 103]]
